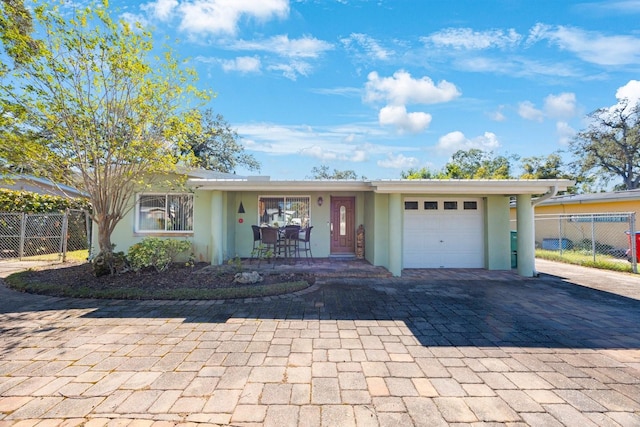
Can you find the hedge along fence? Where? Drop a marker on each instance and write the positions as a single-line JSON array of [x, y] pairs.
[[28, 202], [37, 225]]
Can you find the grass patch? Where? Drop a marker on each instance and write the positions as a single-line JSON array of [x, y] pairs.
[[79, 255], [19, 281], [586, 260]]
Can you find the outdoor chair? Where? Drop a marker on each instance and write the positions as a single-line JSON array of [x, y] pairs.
[[269, 244], [289, 241], [304, 243], [257, 241]]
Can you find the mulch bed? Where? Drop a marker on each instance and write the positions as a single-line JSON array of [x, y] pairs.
[[178, 276]]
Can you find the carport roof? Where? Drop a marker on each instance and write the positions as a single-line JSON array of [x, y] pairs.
[[403, 186]]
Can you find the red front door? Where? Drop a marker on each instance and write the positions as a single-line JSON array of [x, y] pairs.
[[343, 231]]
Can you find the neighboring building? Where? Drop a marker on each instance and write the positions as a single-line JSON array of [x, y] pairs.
[[407, 223], [21, 182], [573, 211], [616, 201]]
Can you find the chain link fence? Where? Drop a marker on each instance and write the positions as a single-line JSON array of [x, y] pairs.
[[589, 237], [43, 236]]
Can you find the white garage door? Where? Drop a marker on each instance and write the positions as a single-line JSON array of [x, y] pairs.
[[443, 233]]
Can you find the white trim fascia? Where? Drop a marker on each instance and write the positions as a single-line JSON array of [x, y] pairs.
[[404, 186], [471, 186], [282, 186]]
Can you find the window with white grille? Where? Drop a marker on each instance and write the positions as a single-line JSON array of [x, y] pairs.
[[284, 210], [164, 213]]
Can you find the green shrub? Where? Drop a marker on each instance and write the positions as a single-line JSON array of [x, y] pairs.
[[26, 201], [157, 253]]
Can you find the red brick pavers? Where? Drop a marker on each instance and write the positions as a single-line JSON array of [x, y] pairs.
[[429, 348]]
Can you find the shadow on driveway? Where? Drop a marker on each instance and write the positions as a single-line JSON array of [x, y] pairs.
[[546, 312]]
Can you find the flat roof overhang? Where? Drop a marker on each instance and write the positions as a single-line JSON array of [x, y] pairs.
[[505, 187]]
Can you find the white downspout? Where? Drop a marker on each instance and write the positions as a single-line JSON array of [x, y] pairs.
[[552, 192]]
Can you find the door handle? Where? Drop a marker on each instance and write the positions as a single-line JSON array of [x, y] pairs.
[[331, 228]]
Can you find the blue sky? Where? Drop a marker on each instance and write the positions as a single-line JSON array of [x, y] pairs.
[[383, 86]]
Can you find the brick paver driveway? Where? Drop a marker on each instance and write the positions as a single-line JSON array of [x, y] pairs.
[[389, 352]]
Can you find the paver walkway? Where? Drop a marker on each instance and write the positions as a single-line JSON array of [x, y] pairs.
[[427, 349]]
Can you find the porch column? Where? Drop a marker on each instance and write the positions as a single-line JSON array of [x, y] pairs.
[[395, 234], [526, 236], [217, 246]]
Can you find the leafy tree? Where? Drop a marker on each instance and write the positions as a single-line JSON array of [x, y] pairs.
[[322, 172], [554, 167], [610, 145], [16, 29], [422, 173], [214, 145], [540, 167], [477, 164], [101, 103]]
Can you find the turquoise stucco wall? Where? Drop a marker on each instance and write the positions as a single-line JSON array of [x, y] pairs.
[[241, 235], [125, 236], [369, 218], [497, 233], [526, 238], [218, 235], [381, 230]]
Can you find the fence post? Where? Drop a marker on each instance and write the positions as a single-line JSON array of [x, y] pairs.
[[64, 235], [593, 237], [560, 236], [632, 240], [89, 226], [23, 231]]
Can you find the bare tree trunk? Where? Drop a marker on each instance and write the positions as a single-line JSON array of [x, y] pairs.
[[104, 239], [105, 263]]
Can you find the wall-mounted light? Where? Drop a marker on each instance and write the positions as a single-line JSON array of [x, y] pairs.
[[241, 208], [320, 201]]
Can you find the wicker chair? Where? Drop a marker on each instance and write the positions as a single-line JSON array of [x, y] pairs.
[[257, 242], [269, 243], [304, 244]]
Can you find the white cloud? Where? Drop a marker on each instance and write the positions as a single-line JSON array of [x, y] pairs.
[[305, 47], [630, 91], [319, 153], [399, 161], [222, 16], [405, 122], [133, 18], [560, 106], [401, 89], [468, 39], [161, 9], [565, 133], [359, 155], [454, 141], [497, 115], [370, 45], [293, 69], [528, 111], [339, 91], [243, 64], [590, 46], [628, 96]]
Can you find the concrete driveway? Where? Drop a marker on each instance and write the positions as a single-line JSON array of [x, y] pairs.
[[427, 349]]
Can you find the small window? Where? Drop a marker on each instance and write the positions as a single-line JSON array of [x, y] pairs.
[[431, 206], [284, 210], [410, 206], [470, 206], [164, 213], [450, 206]]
